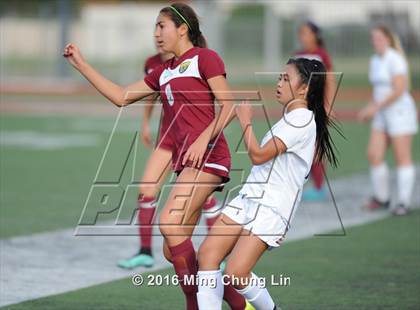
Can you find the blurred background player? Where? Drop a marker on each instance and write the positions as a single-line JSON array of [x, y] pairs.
[[394, 120], [313, 47], [156, 171]]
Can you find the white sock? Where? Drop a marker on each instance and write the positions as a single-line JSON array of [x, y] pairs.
[[406, 177], [256, 295], [210, 290], [380, 181]]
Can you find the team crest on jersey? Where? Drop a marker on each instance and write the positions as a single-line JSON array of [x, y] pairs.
[[184, 66]]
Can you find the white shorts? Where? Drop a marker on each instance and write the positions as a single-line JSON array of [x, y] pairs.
[[263, 221], [398, 119]]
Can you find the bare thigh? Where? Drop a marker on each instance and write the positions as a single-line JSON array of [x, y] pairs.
[[183, 207], [156, 170], [377, 146], [221, 239], [401, 147], [246, 253]]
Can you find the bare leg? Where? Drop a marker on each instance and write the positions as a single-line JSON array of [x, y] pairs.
[[244, 256], [218, 244], [177, 223]]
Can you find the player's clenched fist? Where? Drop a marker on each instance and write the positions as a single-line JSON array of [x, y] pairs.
[[73, 55]]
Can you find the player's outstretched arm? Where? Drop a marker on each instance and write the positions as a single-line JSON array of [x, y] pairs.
[[117, 94], [256, 153]]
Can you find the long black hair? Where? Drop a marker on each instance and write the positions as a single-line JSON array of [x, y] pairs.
[[313, 73], [181, 13]]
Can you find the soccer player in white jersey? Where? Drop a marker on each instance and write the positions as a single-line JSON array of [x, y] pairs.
[[394, 121], [258, 218]]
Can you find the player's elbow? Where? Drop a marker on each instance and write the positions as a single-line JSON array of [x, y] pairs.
[[257, 159], [120, 101]]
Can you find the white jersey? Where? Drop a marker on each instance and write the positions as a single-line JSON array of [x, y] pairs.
[[381, 72], [400, 117], [278, 183]]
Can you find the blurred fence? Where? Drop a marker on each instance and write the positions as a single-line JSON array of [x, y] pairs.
[[116, 36]]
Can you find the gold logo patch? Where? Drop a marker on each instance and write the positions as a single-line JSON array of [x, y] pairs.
[[184, 66]]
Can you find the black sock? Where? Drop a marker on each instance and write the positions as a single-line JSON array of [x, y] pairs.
[[147, 251]]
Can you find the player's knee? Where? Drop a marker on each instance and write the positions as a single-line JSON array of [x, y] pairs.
[[165, 229], [207, 257], [403, 159], [233, 272], [167, 225], [374, 157], [148, 191]]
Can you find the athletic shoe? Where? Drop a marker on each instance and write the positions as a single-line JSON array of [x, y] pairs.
[[248, 306], [313, 195], [139, 260], [276, 307], [400, 210], [375, 204]]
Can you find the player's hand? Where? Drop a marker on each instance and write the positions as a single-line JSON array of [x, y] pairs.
[[244, 112], [73, 55], [146, 136], [368, 112], [195, 152]]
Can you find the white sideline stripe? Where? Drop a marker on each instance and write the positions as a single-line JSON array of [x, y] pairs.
[[216, 166], [36, 140], [56, 262]]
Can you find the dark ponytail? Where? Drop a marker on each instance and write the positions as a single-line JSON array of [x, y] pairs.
[[181, 13], [313, 73]]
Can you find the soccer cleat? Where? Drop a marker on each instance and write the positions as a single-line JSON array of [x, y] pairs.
[[400, 210], [248, 306], [140, 260], [375, 204], [314, 195], [276, 307]]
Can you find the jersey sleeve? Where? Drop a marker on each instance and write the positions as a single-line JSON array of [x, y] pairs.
[[397, 64], [326, 59], [292, 130], [210, 64], [152, 79], [146, 66]]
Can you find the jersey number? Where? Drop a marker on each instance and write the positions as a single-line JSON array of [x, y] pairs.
[[169, 95]]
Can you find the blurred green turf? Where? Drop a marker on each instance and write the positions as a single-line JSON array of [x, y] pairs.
[[44, 190], [375, 266]]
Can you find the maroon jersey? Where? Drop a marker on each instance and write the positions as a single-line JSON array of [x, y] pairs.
[[319, 54], [164, 140], [151, 63], [189, 101]]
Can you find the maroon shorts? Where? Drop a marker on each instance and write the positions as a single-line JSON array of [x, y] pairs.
[[214, 162]]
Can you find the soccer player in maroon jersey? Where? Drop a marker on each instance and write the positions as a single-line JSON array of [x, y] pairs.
[[156, 171], [313, 47], [189, 83]]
